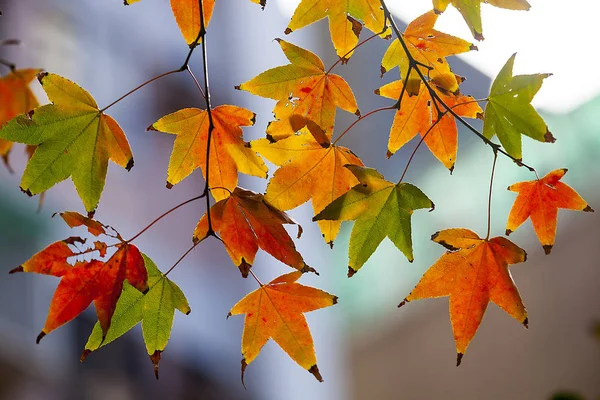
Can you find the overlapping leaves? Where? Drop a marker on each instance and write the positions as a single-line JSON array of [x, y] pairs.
[[345, 19], [73, 138], [306, 95]]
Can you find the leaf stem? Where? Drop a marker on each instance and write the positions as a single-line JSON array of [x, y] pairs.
[[436, 98], [361, 118], [417, 147], [256, 278], [164, 215], [181, 258], [489, 214], [139, 87], [188, 69]]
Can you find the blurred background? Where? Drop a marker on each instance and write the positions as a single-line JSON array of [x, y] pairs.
[[366, 347]]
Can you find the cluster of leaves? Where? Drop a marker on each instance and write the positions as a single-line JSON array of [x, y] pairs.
[[73, 137]]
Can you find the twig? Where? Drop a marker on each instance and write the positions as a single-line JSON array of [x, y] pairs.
[[489, 215]]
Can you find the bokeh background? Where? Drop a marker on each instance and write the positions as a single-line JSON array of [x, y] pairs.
[[366, 347]]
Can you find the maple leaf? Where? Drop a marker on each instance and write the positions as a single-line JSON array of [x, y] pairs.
[[16, 98], [416, 116], [306, 93], [473, 272], [540, 200], [308, 171], [509, 113], [245, 222], [428, 47], [344, 26], [470, 10], [155, 309], [84, 282], [74, 219], [275, 311], [381, 209], [228, 152], [74, 138], [187, 16]]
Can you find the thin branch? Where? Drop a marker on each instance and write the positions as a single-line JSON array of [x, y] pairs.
[[417, 147], [489, 215], [361, 118], [412, 62], [164, 215], [341, 59], [211, 126]]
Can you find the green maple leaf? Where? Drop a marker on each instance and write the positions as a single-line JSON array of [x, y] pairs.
[[73, 138], [380, 208], [155, 309], [509, 113]]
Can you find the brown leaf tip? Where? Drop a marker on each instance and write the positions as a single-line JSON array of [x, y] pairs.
[[41, 76], [84, 355], [402, 303], [334, 300], [245, 268], [588, 209], [237, 87], [526, 323], [388, 154], [478, 36], [548, 138], [508, 232], [473, 47], [547, 248], [129, 165], [155, 358], [169, 185], [27, 192], [15, 270], [315, 371], [228, 315], [308, 268], [151, 128], [459, 357], [351, 272], [287, 31], [40, 337], [244, 365], [91, 214]]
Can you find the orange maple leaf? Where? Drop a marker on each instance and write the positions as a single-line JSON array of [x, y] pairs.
[[84, 282], [245, 222], [16, 98], [308, 171], [74, 219], [228, 151], [473, 273], [275, 311], [307, 95], [540, 199], [428, 47], [417, 115]]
